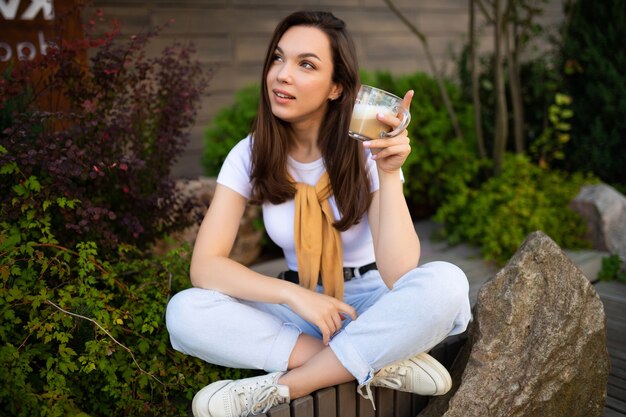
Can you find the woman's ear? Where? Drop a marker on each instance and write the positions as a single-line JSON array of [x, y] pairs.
[[335, 92]]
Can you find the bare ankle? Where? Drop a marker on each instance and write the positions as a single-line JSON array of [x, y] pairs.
[[295, 390]]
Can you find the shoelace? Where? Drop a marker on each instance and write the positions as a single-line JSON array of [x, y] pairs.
[[265, 399], [391, 379], [261, 400], [368, 395]]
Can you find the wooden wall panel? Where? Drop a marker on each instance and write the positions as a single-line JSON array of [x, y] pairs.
[[234, 34]]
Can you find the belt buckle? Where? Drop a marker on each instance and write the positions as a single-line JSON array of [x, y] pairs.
[[347, 274]]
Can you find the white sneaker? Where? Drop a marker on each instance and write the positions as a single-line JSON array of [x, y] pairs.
[[421, 374], [241, 398]]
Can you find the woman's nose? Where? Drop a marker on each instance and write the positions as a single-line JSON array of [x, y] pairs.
[[284, 74]]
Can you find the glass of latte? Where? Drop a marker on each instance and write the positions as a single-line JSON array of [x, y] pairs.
[[369, 102]]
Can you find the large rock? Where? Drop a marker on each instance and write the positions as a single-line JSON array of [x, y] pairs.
[[196, 195], [604, 210], [537, 343]]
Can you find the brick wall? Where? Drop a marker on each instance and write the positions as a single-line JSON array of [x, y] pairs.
[[235, 33]]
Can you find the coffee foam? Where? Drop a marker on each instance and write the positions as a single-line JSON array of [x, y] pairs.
[[369, 111]]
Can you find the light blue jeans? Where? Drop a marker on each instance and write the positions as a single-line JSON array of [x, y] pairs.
[[424, 306]]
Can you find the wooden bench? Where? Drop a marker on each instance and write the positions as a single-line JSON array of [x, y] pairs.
[[343, 400]]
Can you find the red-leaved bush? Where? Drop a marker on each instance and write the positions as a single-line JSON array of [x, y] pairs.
[[103, 131]]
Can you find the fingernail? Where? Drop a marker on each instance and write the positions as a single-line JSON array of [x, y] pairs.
[[380, 115]]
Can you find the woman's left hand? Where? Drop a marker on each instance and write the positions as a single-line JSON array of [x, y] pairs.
[[390, 153]]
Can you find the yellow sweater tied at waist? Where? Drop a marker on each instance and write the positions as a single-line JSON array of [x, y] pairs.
[[318, 243]]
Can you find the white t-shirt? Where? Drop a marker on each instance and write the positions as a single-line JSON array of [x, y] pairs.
[[358, 248]]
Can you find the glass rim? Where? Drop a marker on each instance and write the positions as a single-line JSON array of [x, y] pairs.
[[380, 90]]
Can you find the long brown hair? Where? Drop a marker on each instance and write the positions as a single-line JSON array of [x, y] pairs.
[[343, 157]]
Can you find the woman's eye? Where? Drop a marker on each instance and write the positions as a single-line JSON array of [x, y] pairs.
[[277, 58], [308, 65]]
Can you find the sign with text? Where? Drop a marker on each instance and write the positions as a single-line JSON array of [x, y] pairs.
[[29, 27]]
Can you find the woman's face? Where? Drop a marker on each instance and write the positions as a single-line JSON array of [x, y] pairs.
[[299, 81]]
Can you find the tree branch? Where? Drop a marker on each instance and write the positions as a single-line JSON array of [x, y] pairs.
[[433, 68], [406, 21], [484, 10], [110, 336], [501, 115], [478, 122], [508, 14]]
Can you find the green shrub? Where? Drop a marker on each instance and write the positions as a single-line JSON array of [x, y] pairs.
[[612, 268], [498, 215], [595, 63], [83, 335], [439, 164], [548, 147], [230, 125]]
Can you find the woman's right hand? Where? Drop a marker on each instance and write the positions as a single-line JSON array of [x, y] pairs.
[[322, 310]]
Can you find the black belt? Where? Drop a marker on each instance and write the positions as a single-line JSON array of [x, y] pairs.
[[348, 273]]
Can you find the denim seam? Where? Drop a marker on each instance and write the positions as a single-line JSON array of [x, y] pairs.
[[278, 357], [350, 357]]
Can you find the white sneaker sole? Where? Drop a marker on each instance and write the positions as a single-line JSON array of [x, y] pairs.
[[200, 403], [438, 373]]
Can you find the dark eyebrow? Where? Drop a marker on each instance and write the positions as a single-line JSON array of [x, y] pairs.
[[302, 55]]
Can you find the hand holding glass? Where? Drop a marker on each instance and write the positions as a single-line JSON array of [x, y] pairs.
[[370, 101]]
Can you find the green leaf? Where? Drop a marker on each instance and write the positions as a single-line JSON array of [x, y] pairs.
[[33, 184], [20, 190], [563, 99], [9, 168]]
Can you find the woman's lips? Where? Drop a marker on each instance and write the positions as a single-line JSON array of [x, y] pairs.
[[282, 96]]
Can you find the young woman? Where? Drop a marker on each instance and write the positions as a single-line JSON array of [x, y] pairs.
[[355, 304]]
